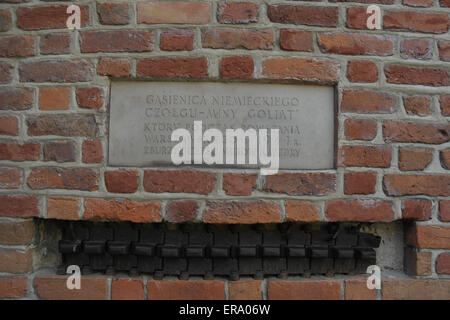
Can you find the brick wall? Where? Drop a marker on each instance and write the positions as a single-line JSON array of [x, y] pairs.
[[393, 131]]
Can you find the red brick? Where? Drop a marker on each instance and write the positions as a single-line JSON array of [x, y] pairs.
[[304, 290], [15, 261], [360, 182], [359, 210], [113, 13], [415, 21], [444, 50], [416, 184], [427, 76], [444, 210], [357, 18], [122, 210], [429, 237], [301, 183], [444, 3], [66, 125], [186, 290], [417, 105], [10, 178], [245, 290], [444, 102], [296, 40], [367, 101], [237, 12], [416, 289], [5, 72], [444, 156], [9, 126], [236, 67], [356, 289], [362, 71], [365, 156], [16, 98], [181, 211], [174, 12], [92, 151], [443, 263], [5, 20], [306, 15], [63, 208], [355, 44], [122, 181], [14, 151], [179, 181], [59, 151], [55, 43], [173, 67], [305, 69], [127, 289], [246, 212], [56, 98], [227, 38], [431, 133], [177, 40], [417, 263], [414, 159], [239, 184], [11, 288], [51, 17], [416, 209], [360, 129], [19, 206], [91, 98], [114, 68], [418, 3], [116, 41], [55, 288], [416, 49], [63, 178], [56, 71], [17, 233], [17, 46], [301, 211]]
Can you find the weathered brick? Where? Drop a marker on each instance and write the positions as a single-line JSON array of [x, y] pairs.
[[429, 237], [92, 151], [427, 76], [305, 69], [415, 21], [116, 41], [417, 105], [360, 182], [177, 40], [17, 46], [127, 289], [444, 210], [362, 71], [54, 288], [301, 211], [91, 98], [5, 20], [180, 181], [56, 98], [10, 178], [355, 44], [56, 71], [306, 15], [16, 98], [227, 38], [357, 18], [63, 178], [59, 151], [444, 102], [122, 181], [444, 50], [414, 159], [5, 72], [181, 211], [174, 12], [367, 101], [236, 67], [14, 151], [417, 184], [296, 40], [360, 129], [9, 126], [415, 289], [173, 67], [417, 263], [186, 290], [51, 17], [19, 206], [77, 125], [416, 49], [301, 183], [369, 210], [416, 209], [16, 233], [245, 290], [55, 43], [63, 208], [113, 13], [114, 68], [418, 3], [237, 12], [444, 3], [236, 184], [304, 290], [443, 263], [365, 156], [431, 133], [122, 210], [11, 288], [246, 212], [444, 156], [15, 261], [356, 289]]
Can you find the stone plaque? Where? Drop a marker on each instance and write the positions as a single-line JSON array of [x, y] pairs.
[[143, 116]]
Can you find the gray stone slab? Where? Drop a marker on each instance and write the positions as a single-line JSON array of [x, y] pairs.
[[144, 114]]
